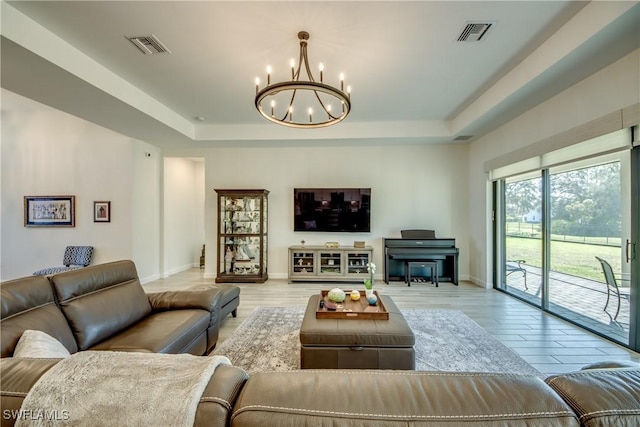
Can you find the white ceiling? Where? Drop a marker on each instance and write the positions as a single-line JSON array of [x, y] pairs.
[[411, 80]]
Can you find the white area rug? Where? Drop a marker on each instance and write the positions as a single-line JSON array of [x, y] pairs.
[[446, 340]]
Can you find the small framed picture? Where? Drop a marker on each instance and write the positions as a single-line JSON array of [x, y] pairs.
[[101, 211], [49, 211]]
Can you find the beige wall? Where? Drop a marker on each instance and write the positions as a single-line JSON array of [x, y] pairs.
[[183, 214], [412, 186], [607, 91], [46, 152], [163, 210]]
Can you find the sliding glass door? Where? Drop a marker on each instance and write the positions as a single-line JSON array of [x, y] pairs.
[[585, 239], [522, 259], [565, 241], [632, 245]]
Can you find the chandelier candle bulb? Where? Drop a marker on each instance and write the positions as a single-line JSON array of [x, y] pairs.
[[257, 84], [273, 104], [321, 70], [341, 81], [293, 68], [310, 113], [268, 75]]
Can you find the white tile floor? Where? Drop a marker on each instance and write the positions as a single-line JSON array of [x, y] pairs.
[[546, 342]]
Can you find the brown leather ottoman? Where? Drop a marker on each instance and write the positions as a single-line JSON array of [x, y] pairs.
[[356, 344]]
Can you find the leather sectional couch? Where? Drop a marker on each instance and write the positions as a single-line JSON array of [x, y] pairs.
[[602, 396], [104, 307], [591, 398]]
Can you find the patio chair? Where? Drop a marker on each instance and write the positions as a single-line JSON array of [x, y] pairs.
[[612, 286], [75, 257], [516, 265]]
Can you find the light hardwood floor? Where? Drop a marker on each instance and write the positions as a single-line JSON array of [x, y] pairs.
[[546, 342]]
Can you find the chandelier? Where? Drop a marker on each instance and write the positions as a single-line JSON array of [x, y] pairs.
[[300, 103]]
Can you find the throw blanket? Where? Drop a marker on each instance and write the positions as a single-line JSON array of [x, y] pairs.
[[101, 388]]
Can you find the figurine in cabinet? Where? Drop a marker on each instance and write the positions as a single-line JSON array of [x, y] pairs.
[[241, 255], [228, 259]]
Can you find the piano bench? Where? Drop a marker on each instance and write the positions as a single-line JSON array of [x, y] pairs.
[[432, 265]]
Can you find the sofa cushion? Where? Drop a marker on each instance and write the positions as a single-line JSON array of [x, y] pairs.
[[163, 332], [101, 300], [601, 397], [37, 344], [28, 303]]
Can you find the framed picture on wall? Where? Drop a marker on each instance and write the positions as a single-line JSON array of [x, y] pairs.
[[49, 211], [101, 211]]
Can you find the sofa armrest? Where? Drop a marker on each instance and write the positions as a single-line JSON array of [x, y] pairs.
[[17, 376], [214, 408], [219, 397], [204, 297]]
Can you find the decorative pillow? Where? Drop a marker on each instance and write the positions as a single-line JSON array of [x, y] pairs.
[[39, 345]]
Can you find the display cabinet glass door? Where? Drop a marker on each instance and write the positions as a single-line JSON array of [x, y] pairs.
[[330, 262], [304, 262], [357, 263], [241, 225], [242, 235], [265, 203]]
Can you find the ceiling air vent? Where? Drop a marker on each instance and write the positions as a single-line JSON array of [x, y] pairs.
[[474, 31], [149, 44]]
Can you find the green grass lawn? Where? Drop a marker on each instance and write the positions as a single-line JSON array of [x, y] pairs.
[[522, 229], [577, 259]]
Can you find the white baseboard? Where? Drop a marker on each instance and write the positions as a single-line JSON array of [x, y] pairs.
[[177, 270], [147, 279], [479, 282]]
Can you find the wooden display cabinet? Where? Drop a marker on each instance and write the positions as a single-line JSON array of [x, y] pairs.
[[242, 236]]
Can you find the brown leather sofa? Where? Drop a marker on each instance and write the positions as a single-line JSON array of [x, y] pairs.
[[599, 397], [104, 307], [590, 398], [608, 395]]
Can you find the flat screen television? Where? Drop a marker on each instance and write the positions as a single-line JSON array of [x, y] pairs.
[[332, 209]]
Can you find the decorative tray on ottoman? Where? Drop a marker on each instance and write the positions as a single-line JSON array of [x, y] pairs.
[[349, 309]]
